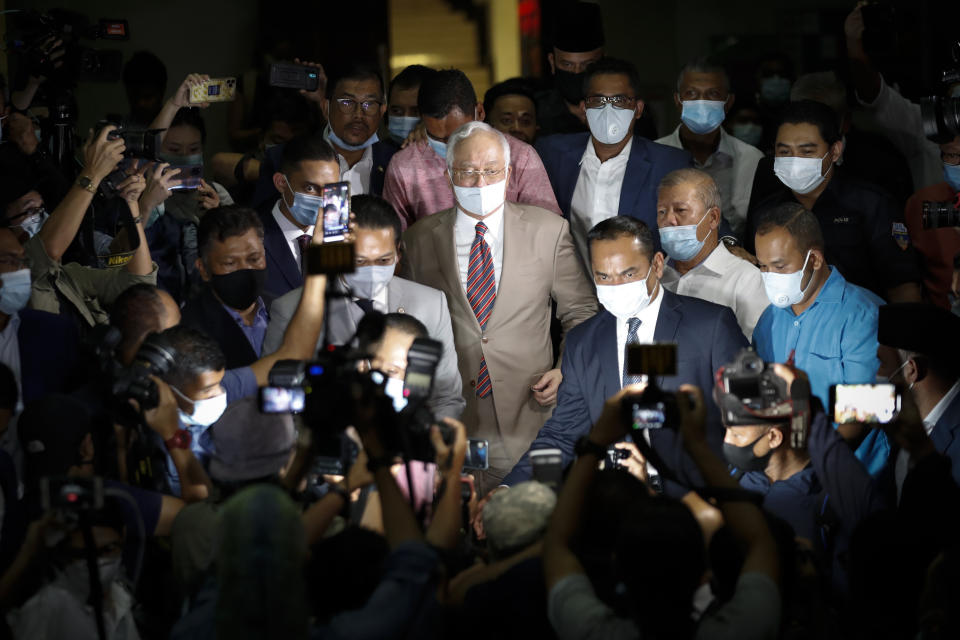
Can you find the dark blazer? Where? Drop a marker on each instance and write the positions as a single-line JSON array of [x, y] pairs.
[[265, 191], [946, 436], [283, 272], [48, 353], [707, 336], [649, 162], [205, 313]]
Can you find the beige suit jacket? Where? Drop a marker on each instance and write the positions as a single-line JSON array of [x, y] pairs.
[[539, 263]]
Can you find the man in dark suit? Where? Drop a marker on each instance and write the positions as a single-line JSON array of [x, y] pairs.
[[233, 266], [308, 163], [637, 310], [918, 348], [608, 171]]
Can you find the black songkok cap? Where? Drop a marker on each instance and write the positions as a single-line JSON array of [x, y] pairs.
[[920, 327]]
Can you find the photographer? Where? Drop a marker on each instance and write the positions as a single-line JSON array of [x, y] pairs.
[[659, 550], [72, 289]]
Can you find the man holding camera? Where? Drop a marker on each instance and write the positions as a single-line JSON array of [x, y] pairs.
[[637, 310]]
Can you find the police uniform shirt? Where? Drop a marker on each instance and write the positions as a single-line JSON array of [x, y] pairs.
[[864, 233]]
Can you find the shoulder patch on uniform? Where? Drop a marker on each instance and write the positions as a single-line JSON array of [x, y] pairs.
[[900, 235]]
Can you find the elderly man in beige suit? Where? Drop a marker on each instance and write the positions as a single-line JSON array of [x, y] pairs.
[[499, 264]]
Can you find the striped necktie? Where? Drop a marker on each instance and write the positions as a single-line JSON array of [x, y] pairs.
[[633, 325], [481, 292]]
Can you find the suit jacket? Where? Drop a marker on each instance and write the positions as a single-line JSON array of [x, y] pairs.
[[48, 346], [205, 313], [427, 305], [539, 264], [707, 337], [283, 272], [649, 162], [946, 436]]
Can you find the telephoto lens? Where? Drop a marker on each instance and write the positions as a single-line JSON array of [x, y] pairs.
[[937, 215]]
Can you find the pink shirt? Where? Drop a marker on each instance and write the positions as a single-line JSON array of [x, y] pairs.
[[416, 186]]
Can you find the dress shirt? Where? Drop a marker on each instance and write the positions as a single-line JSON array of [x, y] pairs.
[[416, 183], [597, 194], [10, 354], [929, 422], [359, 174], [465, 230], [648, 324], [290, 232], [834, 341], [256, 331], [724, 279]]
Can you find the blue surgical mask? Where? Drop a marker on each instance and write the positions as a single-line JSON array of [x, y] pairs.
[[608, 124], [401, 126], [16, 290], [439, 147], [703, 116], [681, 242], [749, 132], [305, 208], [775, 90], [951, 173], [367, 282], [346, 146]]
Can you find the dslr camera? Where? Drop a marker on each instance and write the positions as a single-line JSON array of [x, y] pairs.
[[748, 392], [140, 143], [941, 123]]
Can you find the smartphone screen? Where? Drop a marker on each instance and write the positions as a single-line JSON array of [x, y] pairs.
[[477, 454], [281, 400], [864, 403], [189, 177], [336, 211]]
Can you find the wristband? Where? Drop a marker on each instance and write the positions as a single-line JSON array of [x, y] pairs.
[[586, 446]]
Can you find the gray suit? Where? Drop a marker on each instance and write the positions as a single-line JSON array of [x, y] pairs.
[[426, 304]]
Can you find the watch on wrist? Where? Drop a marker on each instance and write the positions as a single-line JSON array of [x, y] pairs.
[[730, 241], [86, 182], [180, 440], [586, 446]]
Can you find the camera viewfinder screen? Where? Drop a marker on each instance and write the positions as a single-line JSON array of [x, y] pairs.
[[648, 416], [868, 403], [282, 400]]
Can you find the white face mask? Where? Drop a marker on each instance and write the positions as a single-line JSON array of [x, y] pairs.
[[481, 201], [76, 579], [368, 282], [608, 124], [627, 300], [205, 412], [801, 175], [784, 289], [393, 389]]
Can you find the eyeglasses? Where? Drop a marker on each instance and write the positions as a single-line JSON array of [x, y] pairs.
[[470, 177], [950, 158], [348, 106], [620, 102]]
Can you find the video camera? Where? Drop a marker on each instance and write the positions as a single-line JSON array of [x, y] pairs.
[[937, 215], [941, 114]]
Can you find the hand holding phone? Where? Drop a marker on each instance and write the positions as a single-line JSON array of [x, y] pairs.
[[336, 211], [214, 90], [870, 404]]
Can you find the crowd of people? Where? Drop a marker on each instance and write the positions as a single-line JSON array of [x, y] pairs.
[[542, 476]]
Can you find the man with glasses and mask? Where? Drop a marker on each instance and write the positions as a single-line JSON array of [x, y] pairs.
[[309, 162], [416, 183], [817, 320], [609, 171], [626, 270], [373, 287], [501, 325], [865, 237]]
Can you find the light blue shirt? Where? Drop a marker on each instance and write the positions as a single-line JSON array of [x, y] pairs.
[[835, 342]]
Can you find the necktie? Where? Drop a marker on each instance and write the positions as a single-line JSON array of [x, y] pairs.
[[633, 324], [365, 304], [303, 242], [481, 292]]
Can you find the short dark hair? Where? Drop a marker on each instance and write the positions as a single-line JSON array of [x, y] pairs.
[[357, 71], [402, 322], [796, 220], [145, 69], [816, 113], [411, 76], [196, 353], [620, 226], [225, 222], [445, 90], [511, 87], [373, 212], [612, 66], [306, 147], [190, 117], [704, 65], [137, 311]]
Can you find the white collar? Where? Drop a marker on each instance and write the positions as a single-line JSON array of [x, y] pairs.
[[494, 222], [290, 231], [930, 421], [365, 159], [590, 154], [650, 312], [13, 325]]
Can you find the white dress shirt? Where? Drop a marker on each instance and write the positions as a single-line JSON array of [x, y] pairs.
[[10, 354], [724, 279], [290, 232], [597, 194], [465, 230], [929, 422], [359, 174], [648, 324]]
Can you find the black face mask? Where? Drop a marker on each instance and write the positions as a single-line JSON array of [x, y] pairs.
[[744, 459], [570, 85], [239, 289]]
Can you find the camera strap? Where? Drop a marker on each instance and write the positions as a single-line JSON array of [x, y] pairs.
[[93, 571]]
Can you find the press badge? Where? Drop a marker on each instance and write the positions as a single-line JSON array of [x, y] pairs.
[[900, 235]]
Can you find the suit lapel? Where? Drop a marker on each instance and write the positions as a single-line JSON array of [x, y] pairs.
[[946, 428], [668, 320], [570, 173], [514, 228], [606, 345], [279, 252], [635, 176]]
